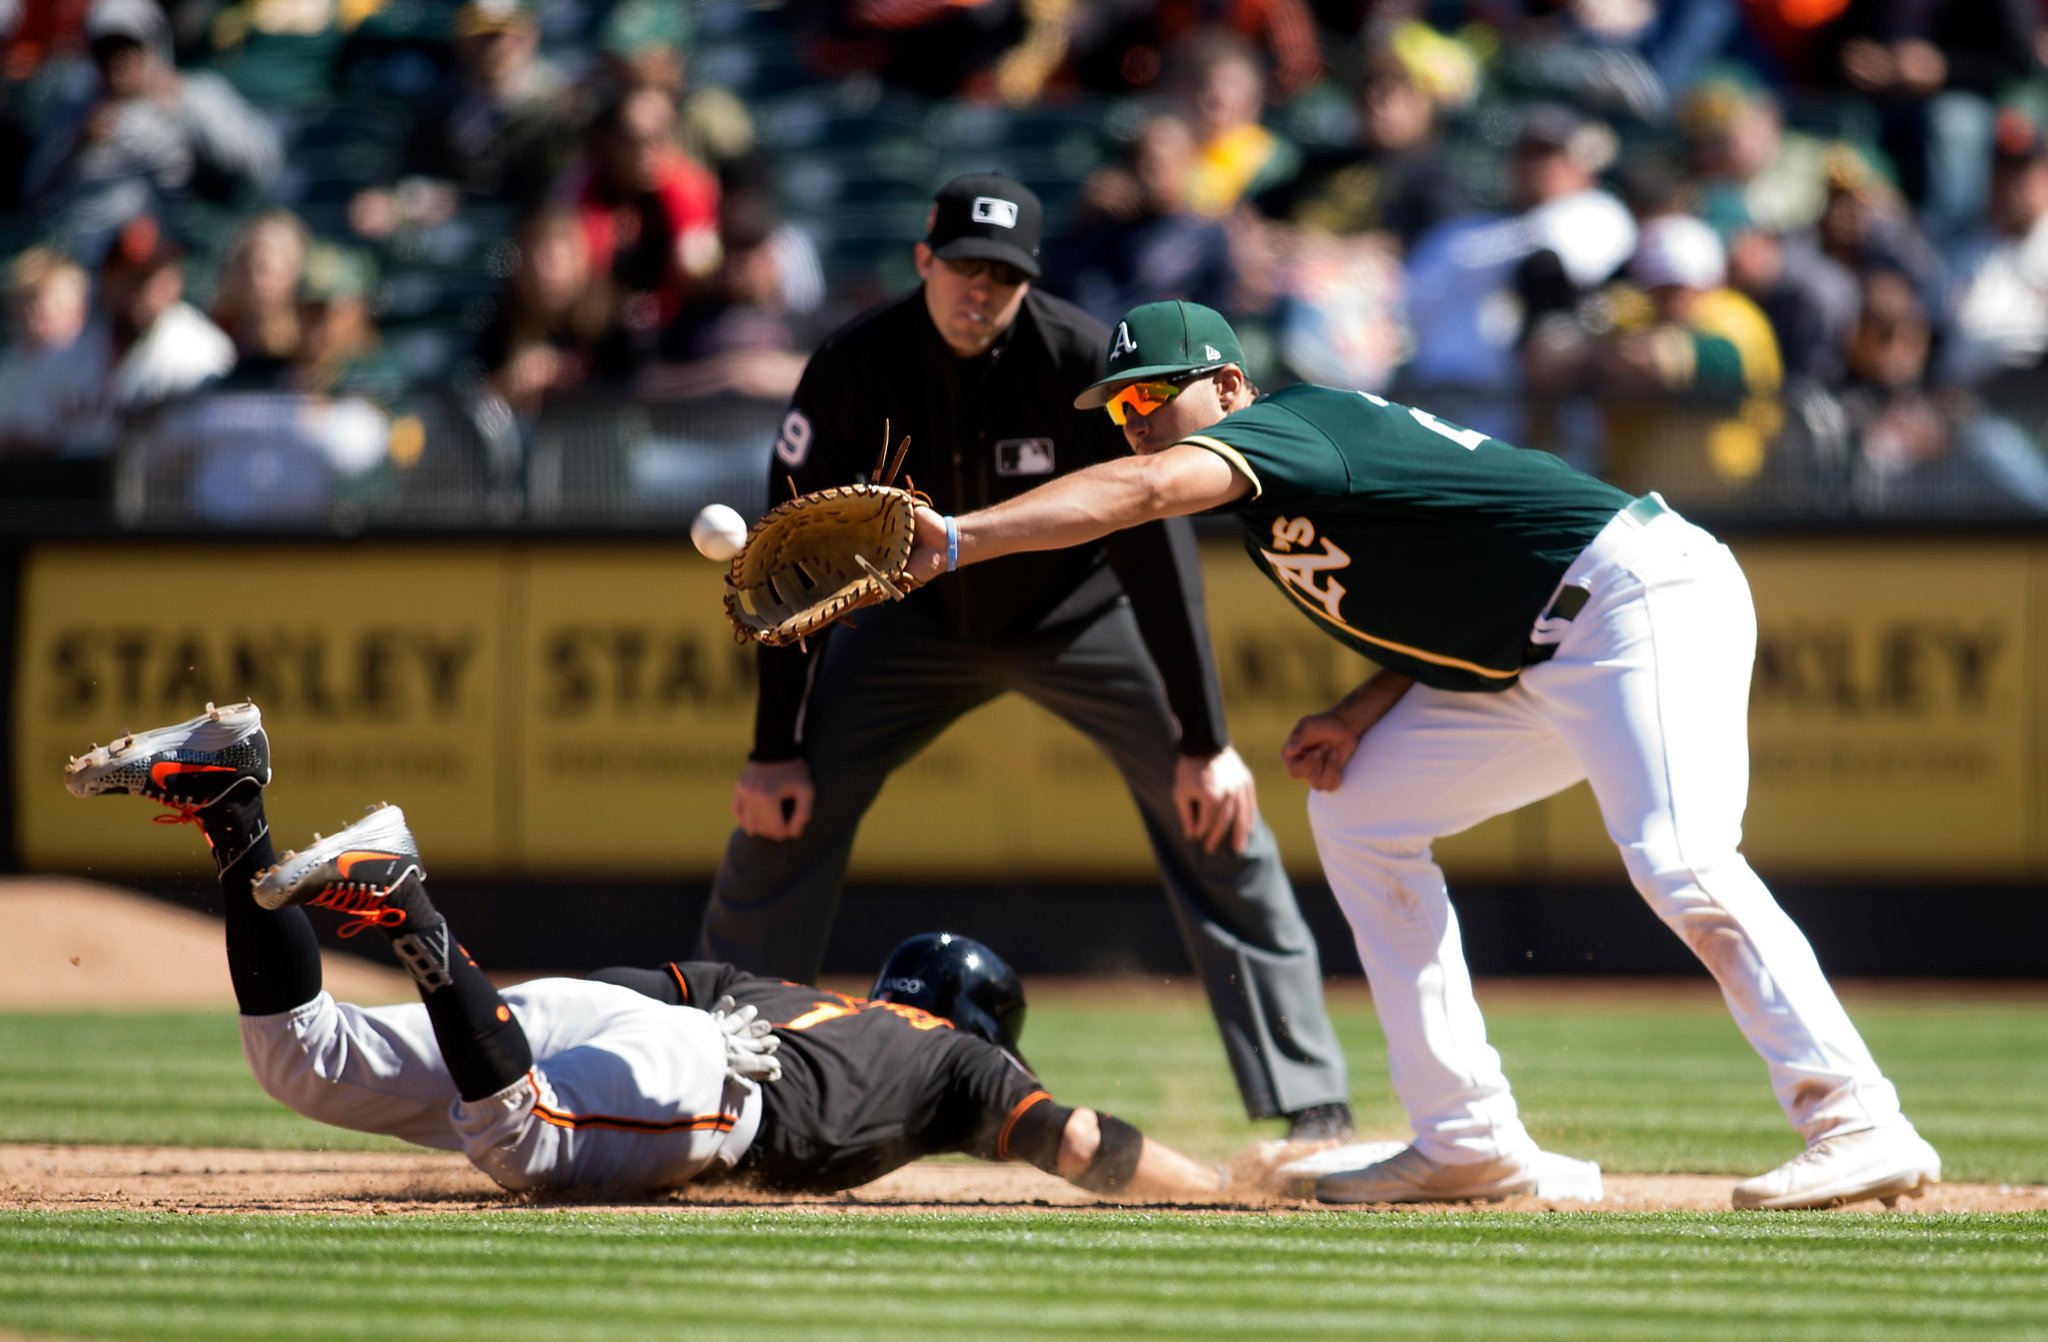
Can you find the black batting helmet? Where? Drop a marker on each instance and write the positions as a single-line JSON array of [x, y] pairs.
[[960, 979]]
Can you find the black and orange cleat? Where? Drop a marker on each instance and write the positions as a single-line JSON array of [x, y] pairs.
[[354, 872], [187, 767]]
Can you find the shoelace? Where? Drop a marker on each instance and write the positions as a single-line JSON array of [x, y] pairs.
[[365, 902]]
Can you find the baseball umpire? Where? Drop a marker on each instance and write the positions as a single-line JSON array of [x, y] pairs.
[[979, 369], [633, 1081], [1536, 626]]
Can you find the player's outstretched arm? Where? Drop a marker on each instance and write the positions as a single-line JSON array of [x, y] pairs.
[[1160, 1173], [1075, 509]]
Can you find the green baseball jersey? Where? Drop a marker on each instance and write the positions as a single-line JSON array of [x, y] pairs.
[[1430, 548]]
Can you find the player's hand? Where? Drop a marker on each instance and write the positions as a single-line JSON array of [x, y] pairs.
[[750, 1044], [1217, 798], [773, 800], [928, 551], [1317, 750]]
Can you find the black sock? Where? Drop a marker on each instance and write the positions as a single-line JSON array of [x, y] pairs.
[[482, 1043], [273, 956]]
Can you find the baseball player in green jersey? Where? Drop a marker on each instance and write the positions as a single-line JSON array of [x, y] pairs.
[[1533, 627]]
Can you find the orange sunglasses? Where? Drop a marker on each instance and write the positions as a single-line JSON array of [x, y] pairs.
[[1142, 398]]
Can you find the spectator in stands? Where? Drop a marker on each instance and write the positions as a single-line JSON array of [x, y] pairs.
[[1135, 240], [645, 43], [47, 295], [743, 332], [798, 269], [1480, 284], [990, 51], [146, 346], [1866, 225], [141, 134], [33, 35], [1330, 261], [1124, 46], [1393, 181], [1932, 68], [1809, 298], [1923, 452], [1747, 164], [340, 352], [649, 212], [1589, 53], [1998, 312], [1221, 91], [503, 131], [257, 303], [278, 56], [1693, 371], [552, 327]]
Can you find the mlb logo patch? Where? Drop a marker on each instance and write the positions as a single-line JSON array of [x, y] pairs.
[[1024, 456], [994, 210]]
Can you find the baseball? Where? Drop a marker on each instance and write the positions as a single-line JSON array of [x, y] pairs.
[[718, 532]]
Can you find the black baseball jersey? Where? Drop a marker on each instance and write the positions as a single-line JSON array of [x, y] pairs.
[[983, 430], [1430, 548], [866, 1087]]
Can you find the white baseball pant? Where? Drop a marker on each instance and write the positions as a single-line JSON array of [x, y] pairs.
[[626, 1094], [1647, 697]]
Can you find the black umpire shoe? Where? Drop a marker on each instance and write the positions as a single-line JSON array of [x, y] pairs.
[[1321, 1123]]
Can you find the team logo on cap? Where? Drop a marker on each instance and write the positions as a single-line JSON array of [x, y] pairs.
[[1123, 344], [992, 210]]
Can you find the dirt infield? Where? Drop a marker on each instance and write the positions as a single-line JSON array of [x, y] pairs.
[[201, 1181], [78, 944]]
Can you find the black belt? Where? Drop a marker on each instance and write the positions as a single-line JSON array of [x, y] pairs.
[[1571, 600]]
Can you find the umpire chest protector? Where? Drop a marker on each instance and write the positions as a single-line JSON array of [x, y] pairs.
[[981, 430]]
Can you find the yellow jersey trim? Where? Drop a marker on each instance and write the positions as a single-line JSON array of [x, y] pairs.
[[1234, 457], [1433, 658]]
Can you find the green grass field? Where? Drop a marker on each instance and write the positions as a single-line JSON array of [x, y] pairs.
[[1645, 1085]]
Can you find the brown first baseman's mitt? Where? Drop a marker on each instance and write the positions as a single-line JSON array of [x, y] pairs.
[[821, 556]]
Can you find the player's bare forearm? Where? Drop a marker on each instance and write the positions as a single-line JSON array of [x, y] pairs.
[[1165, 1175], [1367, 704], [1079, 508], [1162, 1174]]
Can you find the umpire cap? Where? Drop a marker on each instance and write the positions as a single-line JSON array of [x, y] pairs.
[[960, 979], [987, 216]]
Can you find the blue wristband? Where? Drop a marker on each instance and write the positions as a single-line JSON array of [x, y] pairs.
[[952, 545]]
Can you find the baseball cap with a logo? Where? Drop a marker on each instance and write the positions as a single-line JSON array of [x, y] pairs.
[[987, 216], [1162, 340]]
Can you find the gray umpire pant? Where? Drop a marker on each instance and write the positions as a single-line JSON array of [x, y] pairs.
[[891, 683]]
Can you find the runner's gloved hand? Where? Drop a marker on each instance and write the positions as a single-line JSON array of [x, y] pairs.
[[750, 1044]]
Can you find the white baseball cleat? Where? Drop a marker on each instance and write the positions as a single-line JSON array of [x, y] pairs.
[[350, 872], [187, 766], [1410, 1176], [1890, 1161]]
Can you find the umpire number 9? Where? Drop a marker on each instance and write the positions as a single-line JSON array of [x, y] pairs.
[[794, 443]]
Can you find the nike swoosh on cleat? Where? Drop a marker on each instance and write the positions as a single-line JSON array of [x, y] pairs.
[[160, 772], [349, 859]]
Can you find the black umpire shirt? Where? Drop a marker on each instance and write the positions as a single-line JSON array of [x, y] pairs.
[[982, 430]]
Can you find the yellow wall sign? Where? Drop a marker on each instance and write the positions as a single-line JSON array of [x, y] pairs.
[[562, 710], [379, 671]]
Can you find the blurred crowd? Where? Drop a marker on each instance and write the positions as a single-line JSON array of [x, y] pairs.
[[1762, 254]]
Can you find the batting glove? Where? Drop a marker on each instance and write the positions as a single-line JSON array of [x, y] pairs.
[[750, 1044]]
